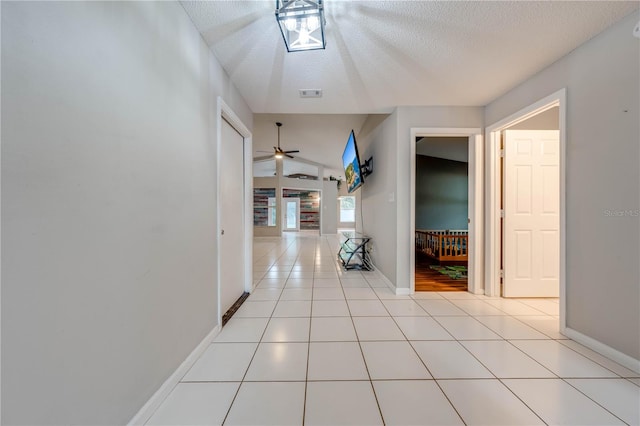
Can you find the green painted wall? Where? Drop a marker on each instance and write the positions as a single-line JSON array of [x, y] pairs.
[[442, 193]]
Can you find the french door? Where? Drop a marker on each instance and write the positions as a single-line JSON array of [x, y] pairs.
[[291, 214]]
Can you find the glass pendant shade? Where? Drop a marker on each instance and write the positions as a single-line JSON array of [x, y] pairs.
[[301, 23]]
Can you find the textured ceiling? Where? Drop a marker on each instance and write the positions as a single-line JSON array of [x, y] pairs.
[[381, 54]]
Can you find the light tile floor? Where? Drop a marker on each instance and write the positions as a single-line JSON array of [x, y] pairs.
[[314, 345]]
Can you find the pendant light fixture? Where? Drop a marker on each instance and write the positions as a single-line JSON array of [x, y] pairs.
[[301, 24]]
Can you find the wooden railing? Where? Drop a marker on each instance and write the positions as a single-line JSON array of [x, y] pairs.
[[444, 245]]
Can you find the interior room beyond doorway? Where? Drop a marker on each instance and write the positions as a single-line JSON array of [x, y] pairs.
[[441, 213]]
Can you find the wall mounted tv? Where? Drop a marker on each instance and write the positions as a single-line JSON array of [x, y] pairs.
[[353, 171]]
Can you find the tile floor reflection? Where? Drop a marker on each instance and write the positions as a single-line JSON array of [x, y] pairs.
[[315, 345]]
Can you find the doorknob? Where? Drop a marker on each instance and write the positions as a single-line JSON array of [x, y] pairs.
[[222, 232]]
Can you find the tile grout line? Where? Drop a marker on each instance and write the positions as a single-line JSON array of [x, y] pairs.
[[565, 379], [501, 379], [248, 366], [489, 370], [306, 379], [364, 361], [422, 361], [460, 342], [494, 374]]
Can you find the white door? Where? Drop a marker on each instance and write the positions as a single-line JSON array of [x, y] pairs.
[[231, 217], [531, 237], [291, 214]]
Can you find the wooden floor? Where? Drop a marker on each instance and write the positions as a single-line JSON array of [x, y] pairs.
[[429, 280]]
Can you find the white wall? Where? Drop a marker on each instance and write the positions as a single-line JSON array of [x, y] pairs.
[[408, 118], [108, 173], [385, 194], [378, 217], [329, 205], [602, 78], [546, 120]]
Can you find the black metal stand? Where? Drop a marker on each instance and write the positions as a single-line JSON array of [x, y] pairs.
[[353, 253]]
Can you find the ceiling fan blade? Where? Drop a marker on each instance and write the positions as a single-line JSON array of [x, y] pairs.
[[290, 152], [290, 156]]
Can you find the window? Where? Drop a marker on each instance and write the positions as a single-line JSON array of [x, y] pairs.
[[271, 214], [348, 209], [264, 207]]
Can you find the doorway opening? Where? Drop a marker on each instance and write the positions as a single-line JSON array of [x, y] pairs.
[[525, 190], [442, 213], [452, 244], [301, 210]]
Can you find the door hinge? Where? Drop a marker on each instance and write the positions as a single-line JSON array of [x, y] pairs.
[[501, 153], [501, 273], [502, 213]]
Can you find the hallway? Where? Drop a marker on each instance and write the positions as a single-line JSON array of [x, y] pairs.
[[317, 346]]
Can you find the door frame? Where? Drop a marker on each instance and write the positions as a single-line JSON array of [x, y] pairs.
[[225, 112], [476, 223], [300, 188], [494, 186], [283, 203]]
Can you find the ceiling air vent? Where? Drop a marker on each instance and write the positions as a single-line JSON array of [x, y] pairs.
[[310, 93]]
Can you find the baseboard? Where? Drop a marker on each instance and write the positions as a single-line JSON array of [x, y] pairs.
[[161, 394], [597, 346], [393, 288], [403, 291], [384, 279]]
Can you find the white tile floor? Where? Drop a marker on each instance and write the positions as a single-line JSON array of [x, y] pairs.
[[317, 346]]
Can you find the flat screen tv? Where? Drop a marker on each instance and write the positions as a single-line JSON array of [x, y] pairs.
[[351, 163]]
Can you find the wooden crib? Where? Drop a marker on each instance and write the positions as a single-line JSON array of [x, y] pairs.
[[450, 245]]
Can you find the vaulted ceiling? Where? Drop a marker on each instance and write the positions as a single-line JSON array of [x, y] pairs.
[[320, 138], [381, 54]]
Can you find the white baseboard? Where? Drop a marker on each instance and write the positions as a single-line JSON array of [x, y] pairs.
[[595, 345], [403, 291], [384, 279], [161, 394], [398, 291]]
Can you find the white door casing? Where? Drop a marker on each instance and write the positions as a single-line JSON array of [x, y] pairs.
[[232, 284], [476, 221], [531, 237]]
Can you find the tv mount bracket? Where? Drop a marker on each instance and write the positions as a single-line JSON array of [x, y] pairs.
[[367, 167]]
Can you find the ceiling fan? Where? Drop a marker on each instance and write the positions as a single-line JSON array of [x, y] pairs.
[[279, 152]]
